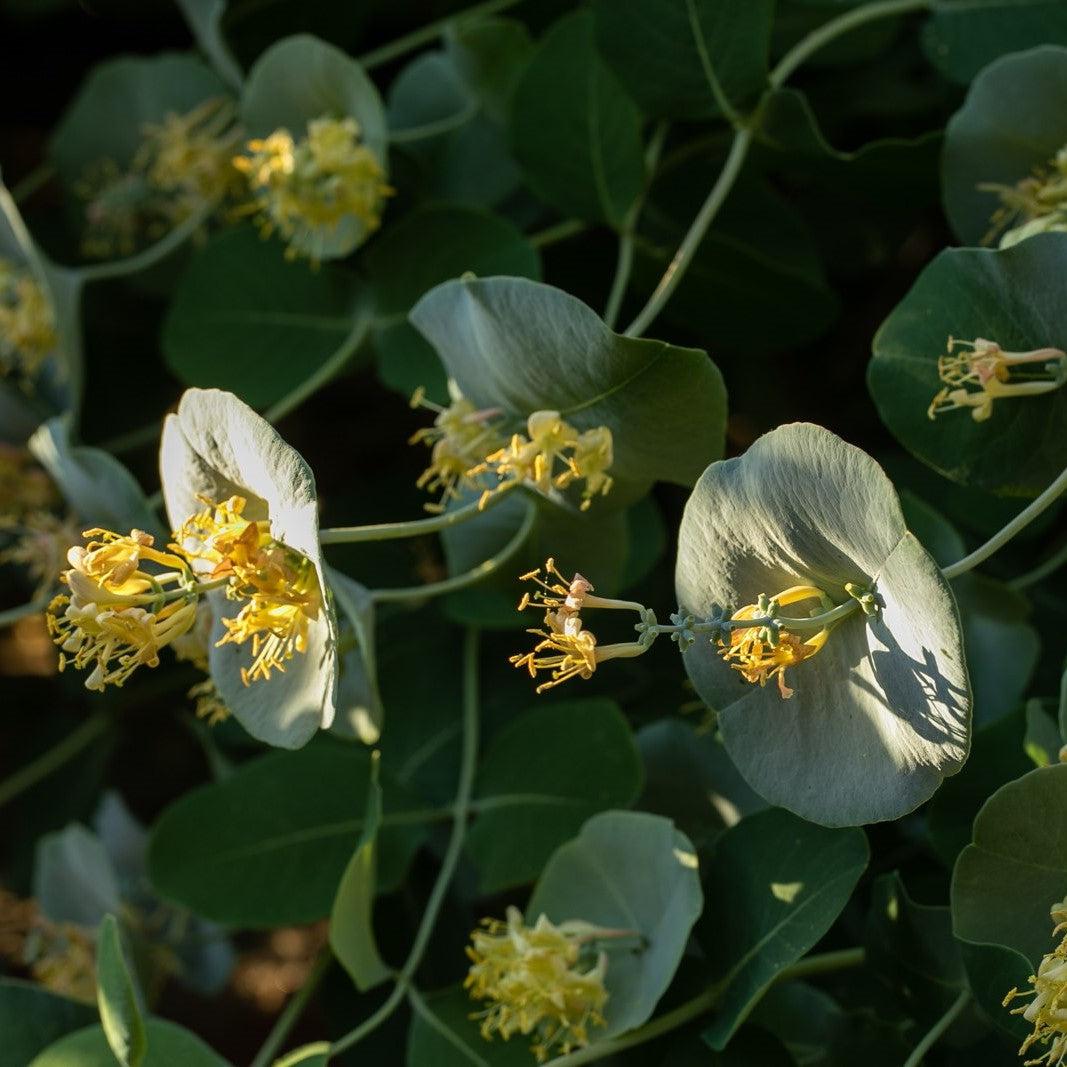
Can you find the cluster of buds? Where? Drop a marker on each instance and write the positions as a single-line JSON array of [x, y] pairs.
[[182, 168], [542, 981], [309, 190], [1047, 1012], [567, 649], [550, 457], [982, 372], [27, 323], [129, 599]]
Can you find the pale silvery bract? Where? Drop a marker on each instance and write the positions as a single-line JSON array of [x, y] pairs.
[[359, 705], [882, 713], [216, 446]]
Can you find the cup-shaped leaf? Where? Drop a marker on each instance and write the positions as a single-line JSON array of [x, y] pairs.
[[96, 486], [1012, 124], [882, 713], [359, 704], [300, 79], [74, 880], [523, 346], [215, 447], [1015, 869], [627, 871], [1008, 297]]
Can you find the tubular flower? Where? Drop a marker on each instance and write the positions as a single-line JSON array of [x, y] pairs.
[[460, 439], [762, 652], [27, 322], [41, 543], [316, 185], [278, 586], [24, 486], [553, 443], [984, 364], [1048, 1010], [541, 980], [574, 652], [560, 597], [1037, 204], [120, 615], [123, 211]]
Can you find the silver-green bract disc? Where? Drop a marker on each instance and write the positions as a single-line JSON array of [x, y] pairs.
[[215, 447], [882, 714], [520, 346]]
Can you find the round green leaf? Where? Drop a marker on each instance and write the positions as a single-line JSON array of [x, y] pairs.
[[1009, 297], [73, 879], [427, 247], [428, 100], [108, 116], [169, 1045], [627, 871], [774, 884], [676, 57], [575, 132], [489, 56], [882, 714], [32, 1018], [523, 347], [542, 777], [962, 36], [1013, 122], [293, 821], [248, 320], [1016, 868]]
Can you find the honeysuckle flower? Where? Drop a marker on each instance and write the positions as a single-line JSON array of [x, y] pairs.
[[40, 542], [122, 210], [324, 193], [1035, 204], [985, 365], [759, 653], [542, 981], [214, 449], [27, 323], [881, 714], [1047, 1011]]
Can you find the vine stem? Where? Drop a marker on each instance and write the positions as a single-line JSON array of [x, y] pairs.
[[38, 603], [292, 1012], [36, 770], [934, 1033], [461, 581], [460, 813], [1042, 570], [699, 1005], [742, 142], [430, 32], [559, 232], [389, 531], [1005, 534]]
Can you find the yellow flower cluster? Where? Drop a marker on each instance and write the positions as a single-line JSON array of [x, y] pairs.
[[129, 599], [552, 455], [1048, 1010], [182, 167], [27, 323], [567, 649], [985, 367], [1036, 204], [314, 185], [539, 980], [760, 655]]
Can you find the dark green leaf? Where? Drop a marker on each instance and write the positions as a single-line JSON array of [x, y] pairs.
[[489, 55], [169, 1045], [32, 1018], [444, 1035], [575, 132], [119, 1000], [775, 884], [543, 776]]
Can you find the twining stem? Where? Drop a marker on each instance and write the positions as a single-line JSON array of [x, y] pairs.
[[934, 1033], [33, 772], [559, 232], [742, 142], [471, 577], [39, 603], [461, 810], [148, 257], [391, 531], [1042, 570], [37, 178], [430, 32], [625, 261], [700, 1005], [1004, 535], [293, 1010]]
